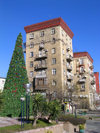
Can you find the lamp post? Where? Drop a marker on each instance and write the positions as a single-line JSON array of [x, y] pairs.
[[22, 111], [27, 86], [75, 111]]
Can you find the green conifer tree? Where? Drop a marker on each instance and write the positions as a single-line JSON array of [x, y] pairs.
[[16, 78]]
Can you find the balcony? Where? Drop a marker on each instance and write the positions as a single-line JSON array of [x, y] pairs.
[[24, 47], [40, 66], [69, 87], [41, 46], [68, 48], [69, 67], [69, 58], [82, 80], [69, 76], [81, 71], [81, 63], [40, 57], [92, 74], [41, 84], [91, 66], [93, 81]]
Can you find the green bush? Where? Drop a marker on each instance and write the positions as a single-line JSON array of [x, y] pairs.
[[81, 126], [71, 119]]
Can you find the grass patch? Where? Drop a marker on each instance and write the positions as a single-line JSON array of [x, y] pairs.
[[16, 128]]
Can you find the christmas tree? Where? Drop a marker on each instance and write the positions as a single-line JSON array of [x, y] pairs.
[[16, 78]]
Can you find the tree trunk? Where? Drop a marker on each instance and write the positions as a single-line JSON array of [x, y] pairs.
[[35, 120]]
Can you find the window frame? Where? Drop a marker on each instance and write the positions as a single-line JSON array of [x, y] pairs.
[[31, 54], [52, 31], [41, 33], [31, 74], [31, 36], [53, 61], [54, 71], [53, 50], [54, 82]]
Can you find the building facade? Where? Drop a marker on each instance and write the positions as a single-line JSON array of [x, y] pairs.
[[2, 82], [49, 56], [84, 78]]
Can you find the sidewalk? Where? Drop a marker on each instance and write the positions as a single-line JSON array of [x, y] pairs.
[[6, 121]]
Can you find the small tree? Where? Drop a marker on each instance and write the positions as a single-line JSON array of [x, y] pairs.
[[1, 101], [40, 107], [54, 109]]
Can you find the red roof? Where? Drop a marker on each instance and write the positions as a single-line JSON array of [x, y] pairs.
[[82, 54], [48, 24]]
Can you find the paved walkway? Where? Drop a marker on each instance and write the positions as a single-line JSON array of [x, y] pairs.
[[93, 126], [6, 121]]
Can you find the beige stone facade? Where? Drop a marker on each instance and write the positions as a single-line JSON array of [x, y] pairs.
[[84, 77], [49, 56]]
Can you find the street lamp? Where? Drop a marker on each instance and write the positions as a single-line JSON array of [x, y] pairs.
[[27, 86], [75, 111], [22, 111]]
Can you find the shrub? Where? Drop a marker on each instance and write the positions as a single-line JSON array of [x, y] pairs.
[[81, 126], [71, 119]]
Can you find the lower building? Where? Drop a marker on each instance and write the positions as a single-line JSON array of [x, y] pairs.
[[2, 82], [84, 79]]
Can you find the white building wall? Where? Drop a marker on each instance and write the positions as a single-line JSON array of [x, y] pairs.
[[2, 82]]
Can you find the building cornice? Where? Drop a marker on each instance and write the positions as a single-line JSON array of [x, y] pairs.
[[82, 54], [48, 24]]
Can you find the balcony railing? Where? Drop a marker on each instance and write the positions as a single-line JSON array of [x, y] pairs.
[[41, 83], [68, 49], [91, 66], [69, 58], [69, 76], [82, 80], [41, 46], [93, 82], [69, 67], [92, 74], [42, 56], [40, 66], [81, 63]]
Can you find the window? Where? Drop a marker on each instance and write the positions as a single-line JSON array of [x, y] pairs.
[[31, 64], [53, 83], [82, 87], [81, 61], [64, 72], [63, 61], [81, 69], [62, 33], [31, 54], [53, 60], [53, 71], [53, 31], [63, 51], [31, 74], [31, 36], [31, 45], [53, 51], [42, 33], [53, 40]]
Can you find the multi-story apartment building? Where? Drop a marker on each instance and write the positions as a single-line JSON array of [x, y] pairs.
[[49, 56], [84, 77], [2, 82]]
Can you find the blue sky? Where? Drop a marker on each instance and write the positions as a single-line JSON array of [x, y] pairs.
[[82, 16]]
